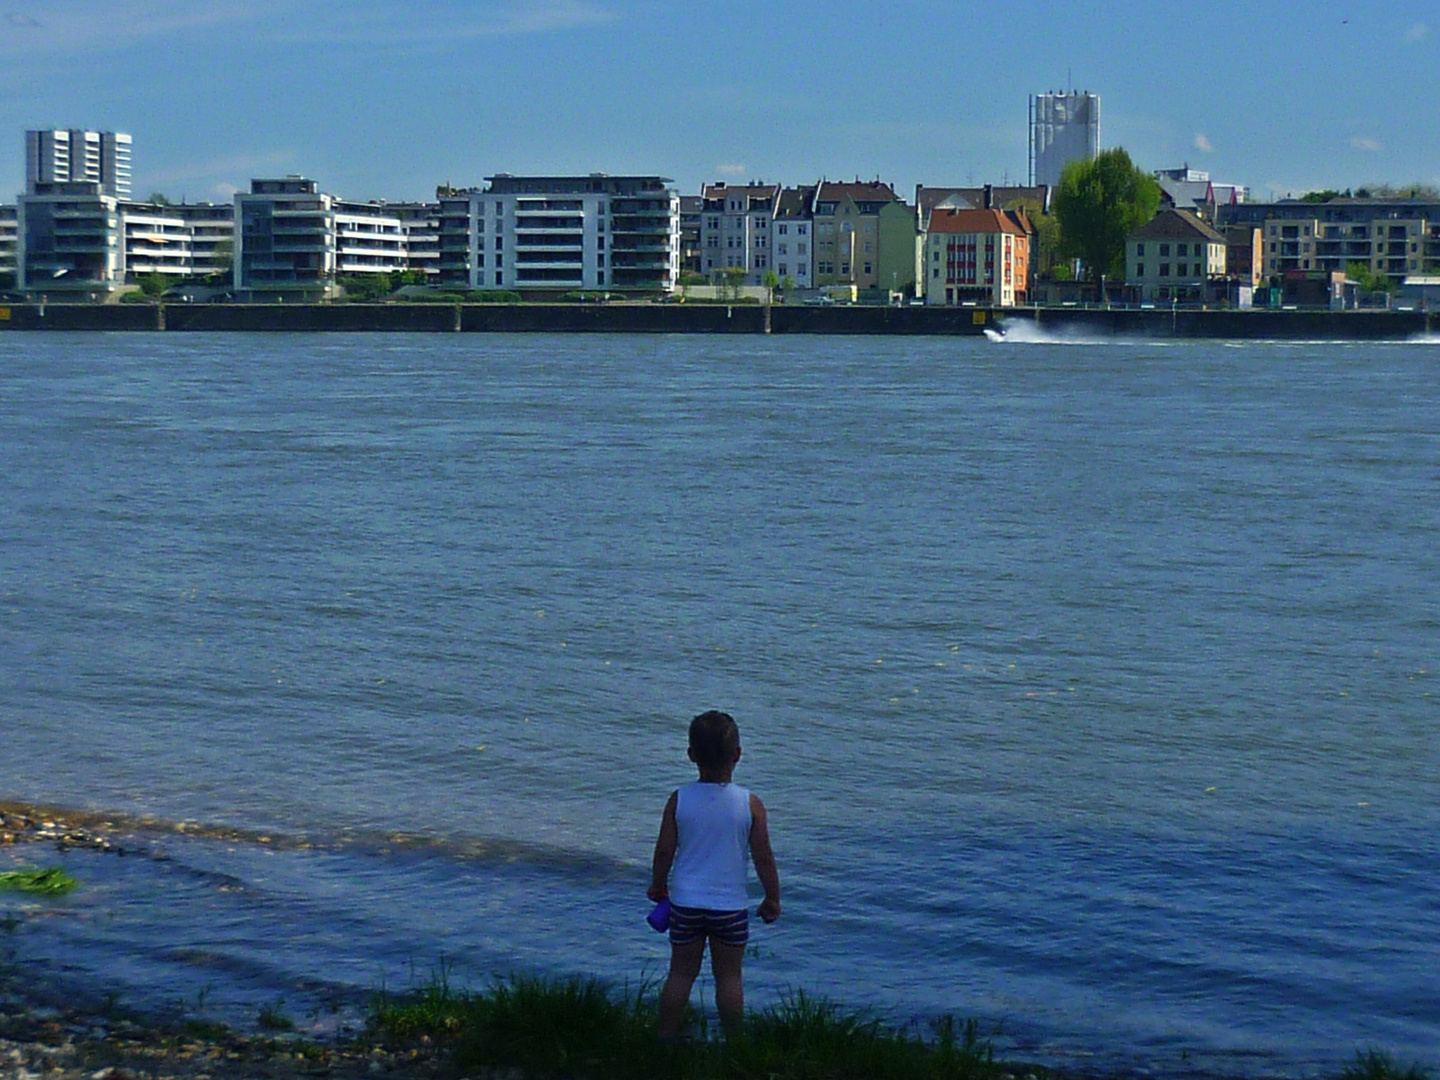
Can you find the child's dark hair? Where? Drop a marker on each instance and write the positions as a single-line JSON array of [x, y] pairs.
[[714, 738]]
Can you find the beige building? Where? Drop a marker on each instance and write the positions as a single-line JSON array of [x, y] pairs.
[[847, 233], [1174, 257], [976, 257]]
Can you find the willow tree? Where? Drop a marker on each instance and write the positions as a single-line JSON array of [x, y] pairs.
[[1099, 203]]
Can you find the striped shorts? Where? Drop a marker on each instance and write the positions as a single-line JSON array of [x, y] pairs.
[[688, 924]]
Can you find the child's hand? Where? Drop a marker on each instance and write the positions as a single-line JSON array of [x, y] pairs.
[[656, 893], [769, 910]]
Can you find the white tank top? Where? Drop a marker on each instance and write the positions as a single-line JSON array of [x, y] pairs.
[[713, 823]]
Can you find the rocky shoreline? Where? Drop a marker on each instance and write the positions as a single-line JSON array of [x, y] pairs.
[[53, 1033]]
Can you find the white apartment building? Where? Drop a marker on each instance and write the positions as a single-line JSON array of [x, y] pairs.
[[58, 156], [293, 240], [736, 229], [8, 242], [561, 233], [155, 240], [792, 237]]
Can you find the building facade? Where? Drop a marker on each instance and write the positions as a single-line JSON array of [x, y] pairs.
[[847, 233], [561, 233], [736, 230], [70, 241], [792, 237], [58, 156], [1395, 238], [977, 257], [1174, 257], [1064, 127], [8, 245]]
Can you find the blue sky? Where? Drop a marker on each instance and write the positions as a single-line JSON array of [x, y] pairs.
[[382, 100]]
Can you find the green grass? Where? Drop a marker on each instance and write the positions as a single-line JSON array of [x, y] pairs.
[[45, 881], [580, 1027], [1377, 1065], [274, 1018]]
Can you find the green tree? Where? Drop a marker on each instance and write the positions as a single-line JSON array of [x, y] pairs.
[[1046, 248], [222, 262], [153, 285], [733, 282], [1367, 279], [772, 282], [1099, 203]]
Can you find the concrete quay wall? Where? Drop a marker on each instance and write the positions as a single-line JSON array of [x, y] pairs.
[[719, 319]]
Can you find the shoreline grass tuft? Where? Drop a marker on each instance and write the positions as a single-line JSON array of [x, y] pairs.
[[582, 1027], [43, 881]]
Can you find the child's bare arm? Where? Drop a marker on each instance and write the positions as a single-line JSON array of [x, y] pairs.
[[764, 860], [664, 853]]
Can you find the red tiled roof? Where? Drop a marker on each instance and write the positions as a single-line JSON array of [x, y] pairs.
[[945, 220]]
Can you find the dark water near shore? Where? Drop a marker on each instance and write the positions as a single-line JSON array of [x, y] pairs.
[[1091, 686]]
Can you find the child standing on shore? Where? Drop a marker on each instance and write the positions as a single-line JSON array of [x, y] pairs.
[[710, 829]]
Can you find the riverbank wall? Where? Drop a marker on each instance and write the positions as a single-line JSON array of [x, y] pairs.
[[630, 318]]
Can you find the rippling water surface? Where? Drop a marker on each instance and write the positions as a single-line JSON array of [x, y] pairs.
[[1091, 686]]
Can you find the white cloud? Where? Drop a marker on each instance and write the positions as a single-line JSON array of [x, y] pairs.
[[243, 164], [1366, 145], [1417, 32], [1203, 143], [730, 170]]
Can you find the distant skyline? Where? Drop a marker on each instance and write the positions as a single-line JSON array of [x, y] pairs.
[[376, 100]]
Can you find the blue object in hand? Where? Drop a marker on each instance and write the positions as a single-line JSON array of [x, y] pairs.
[[659, 918]]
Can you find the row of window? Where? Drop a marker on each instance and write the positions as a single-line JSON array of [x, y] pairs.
[[1181, 269], [1180, 249]]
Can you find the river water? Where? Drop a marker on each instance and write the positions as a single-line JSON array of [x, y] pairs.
[[1091, 685]]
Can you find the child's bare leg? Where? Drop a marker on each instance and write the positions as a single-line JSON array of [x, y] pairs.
[[684, 966], [725, 961]]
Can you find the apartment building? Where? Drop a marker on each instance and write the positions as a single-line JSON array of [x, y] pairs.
[[736, 229], [59, 156], [976, 257], [154, 240], [1174, 257], [8, 243], [69, 240], [292, 241], [692, 207], [792, 237], [847, 233], [1397, 238], [565, 233]]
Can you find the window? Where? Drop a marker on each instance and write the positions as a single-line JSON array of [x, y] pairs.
[[782, 229], [867, 268], [600, 243], [480, 259], [499, 242], [600, 260], [784, 269], [1140, 252], [935, 273], [844, 268], [499, 277], [799, 230], [1140, 269], [799, 249], [1181, 269]]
